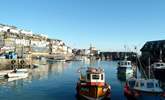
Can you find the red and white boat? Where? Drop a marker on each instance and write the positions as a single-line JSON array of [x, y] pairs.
[[92, 85]]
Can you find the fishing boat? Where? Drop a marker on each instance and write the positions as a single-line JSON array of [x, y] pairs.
[[125, 66], [143, 87], [92, 85], [158, 66], [140, 87], [18, 73]]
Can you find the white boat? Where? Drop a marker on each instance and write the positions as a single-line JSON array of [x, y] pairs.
[[125, 66], [148, 86], [158, 65], [141, 87], [16, 78], [18, 73], [22, 70], [125, 63]]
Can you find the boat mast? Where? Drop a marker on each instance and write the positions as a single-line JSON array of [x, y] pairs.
[[160, 55], [136, 65], [149, 68]]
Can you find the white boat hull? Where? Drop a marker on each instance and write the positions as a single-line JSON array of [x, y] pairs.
[[18, 73]]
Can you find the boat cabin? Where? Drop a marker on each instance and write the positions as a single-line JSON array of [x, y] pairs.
[[158, 65], [150, 85], [94, 76], [125, 63]]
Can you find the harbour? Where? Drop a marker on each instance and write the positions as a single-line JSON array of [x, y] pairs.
[[82, 50], [56, 81]]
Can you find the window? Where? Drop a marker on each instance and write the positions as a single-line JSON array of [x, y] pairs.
[[131, 84], [142, 84], [156, 85], [137, 84], [101, 76], [157, 65], [88, 76], [150, 85], [96, 76]]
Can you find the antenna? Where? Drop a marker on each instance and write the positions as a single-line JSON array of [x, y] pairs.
[[149, 68], [160, 55]]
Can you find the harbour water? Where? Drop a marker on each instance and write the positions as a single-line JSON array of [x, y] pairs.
[[57, 81]]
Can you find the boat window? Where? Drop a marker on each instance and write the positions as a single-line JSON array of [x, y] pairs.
[[129, 68], [96, 76], [88, 76], [157, 65], [150, 85], [156, 85], [137, 84], [142, 84], [131, 84], [129, 63], [101, 76]]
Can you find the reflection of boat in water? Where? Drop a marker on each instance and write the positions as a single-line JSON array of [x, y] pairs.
[[92, 85], [123, 74]]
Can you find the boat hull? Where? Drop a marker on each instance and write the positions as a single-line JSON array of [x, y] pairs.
[[135, 93], [93, 92]]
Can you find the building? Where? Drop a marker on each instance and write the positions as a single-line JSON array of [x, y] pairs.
[[118, 55], [153, 50], [25, 42]]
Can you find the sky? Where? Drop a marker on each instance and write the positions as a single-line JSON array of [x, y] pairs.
[[108, 25]]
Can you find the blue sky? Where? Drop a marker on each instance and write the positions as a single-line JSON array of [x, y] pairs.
[[106, 24]]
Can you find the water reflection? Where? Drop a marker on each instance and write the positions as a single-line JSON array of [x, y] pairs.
[[122, 75], [50, 68]]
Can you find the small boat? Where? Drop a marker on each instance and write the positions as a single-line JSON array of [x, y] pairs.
[[18, 73], [16, 78], [92, 85], [141, 87], [125, 66]]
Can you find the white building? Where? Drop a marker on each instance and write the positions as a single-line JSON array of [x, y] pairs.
[[26, 32]]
